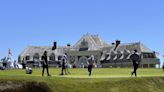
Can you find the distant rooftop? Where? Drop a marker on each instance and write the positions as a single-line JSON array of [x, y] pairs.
[[94, 42]]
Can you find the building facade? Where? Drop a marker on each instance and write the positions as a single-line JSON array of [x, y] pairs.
[[106, 55]]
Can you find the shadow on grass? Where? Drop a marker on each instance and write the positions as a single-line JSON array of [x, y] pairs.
[[13, 86]]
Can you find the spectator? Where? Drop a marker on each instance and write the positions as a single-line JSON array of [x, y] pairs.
[[24, 63], [74, 66], [15, 65], [5, 62]]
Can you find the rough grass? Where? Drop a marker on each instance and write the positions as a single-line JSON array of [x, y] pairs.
[[103, 80]]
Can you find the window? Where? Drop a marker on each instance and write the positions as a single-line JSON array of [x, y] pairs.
[[27, 57], [52, 57], [148, 55], [59, 58], [36, 56], [84, 45]]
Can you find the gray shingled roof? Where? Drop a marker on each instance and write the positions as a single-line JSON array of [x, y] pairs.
[[126, 50], [32, 50], [94, 42], [131, 47]]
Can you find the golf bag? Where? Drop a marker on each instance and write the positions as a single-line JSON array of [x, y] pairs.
[[29, 71]]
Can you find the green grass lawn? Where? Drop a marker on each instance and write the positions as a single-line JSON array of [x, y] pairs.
[[83, 73], [102, 80]]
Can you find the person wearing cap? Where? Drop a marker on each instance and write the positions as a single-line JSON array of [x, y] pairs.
[[135, 59], [45, 63]]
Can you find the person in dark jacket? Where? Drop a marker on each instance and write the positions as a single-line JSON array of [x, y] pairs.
[[90, 64], [45, 63], [136, 60], [5, 62], [63, 67], [24, 63]]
